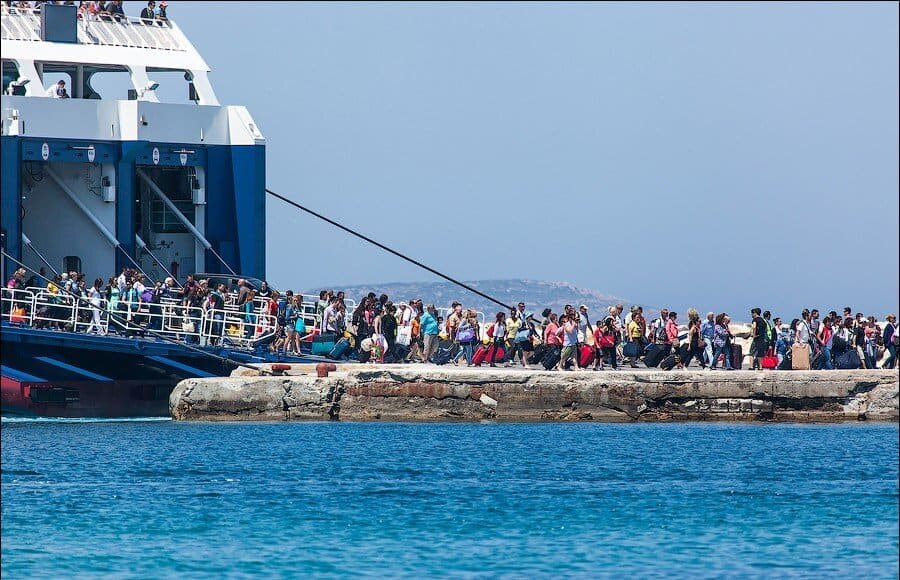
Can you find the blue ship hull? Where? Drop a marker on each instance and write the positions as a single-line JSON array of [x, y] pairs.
[[66, 374]]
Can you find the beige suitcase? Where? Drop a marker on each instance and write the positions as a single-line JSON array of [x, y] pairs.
[[800, 357]]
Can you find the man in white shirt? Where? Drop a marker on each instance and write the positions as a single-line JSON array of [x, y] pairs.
[[330, 317], [58, 91], [404, 315], [122, 281]]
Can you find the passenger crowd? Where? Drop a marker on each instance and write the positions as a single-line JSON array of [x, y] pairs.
[[111, 10], [378, 329]]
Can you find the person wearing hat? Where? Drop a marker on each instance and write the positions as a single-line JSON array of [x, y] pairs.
[[404, 314], [161, 13]]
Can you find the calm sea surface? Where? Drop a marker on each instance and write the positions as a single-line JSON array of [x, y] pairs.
[[157, 498]]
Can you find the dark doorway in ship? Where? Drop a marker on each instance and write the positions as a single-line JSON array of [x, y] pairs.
[[161, 226]]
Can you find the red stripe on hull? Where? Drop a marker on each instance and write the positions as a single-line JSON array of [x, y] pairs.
[[106, 399]]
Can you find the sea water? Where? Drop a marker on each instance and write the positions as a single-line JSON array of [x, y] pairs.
[[165, 499]]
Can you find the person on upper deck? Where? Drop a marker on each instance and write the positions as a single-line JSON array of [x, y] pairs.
[[58, 91], [148, 14]]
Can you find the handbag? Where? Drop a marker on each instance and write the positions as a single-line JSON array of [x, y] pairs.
[[404, 335], [465, 333], [607, 340], [187, 325]]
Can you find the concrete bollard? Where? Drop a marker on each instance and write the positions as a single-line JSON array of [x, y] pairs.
[[322, 369]]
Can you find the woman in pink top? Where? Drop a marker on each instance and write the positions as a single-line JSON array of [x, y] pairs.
[[551, 336], [672, 330]]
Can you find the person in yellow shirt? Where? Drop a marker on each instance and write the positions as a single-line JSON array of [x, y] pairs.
[[513, 324], [635, 332]]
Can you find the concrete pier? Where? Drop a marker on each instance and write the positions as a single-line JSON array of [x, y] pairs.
[[430, 393]]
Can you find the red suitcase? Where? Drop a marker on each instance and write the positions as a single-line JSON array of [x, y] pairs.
[[483, 355], [586, 356]]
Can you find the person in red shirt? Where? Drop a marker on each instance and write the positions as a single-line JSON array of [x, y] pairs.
[[551, 336], [672, 330]]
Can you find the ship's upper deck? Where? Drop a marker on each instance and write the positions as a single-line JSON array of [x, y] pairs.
[[99, 44], [117, 72]]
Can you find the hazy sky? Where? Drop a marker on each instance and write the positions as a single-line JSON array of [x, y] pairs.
[[716, 156]]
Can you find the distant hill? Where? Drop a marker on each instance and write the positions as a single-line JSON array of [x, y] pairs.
[[537, 294]]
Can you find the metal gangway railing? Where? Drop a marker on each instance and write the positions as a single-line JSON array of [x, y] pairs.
[[45, 309], [25, 24]]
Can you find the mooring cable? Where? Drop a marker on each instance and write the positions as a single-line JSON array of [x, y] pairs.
[[387, 249]]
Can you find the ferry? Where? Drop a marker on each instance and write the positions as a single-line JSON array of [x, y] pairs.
[[132, 163]]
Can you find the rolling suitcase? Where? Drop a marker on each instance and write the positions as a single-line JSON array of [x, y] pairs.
[[631, 350], [655, 353], [540, 351], [586, 356], [551, 358], [480, 355], [800, 357], [323, 343], [483, 355], [340, 348], [849, 359], [737, 356], [397, 353], [785, 364], [442, 356], [670, 362]]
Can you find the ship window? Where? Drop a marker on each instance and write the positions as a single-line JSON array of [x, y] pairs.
[[71, 264], [164, 221], [108, 84], [10, 74]]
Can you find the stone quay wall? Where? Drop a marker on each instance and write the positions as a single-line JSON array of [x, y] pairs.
[[429, 393]]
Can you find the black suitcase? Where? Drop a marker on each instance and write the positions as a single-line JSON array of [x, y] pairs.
[[670, 362], [442, 356], [540, 351], [786, 362], [396, 354], [551, 359], [737, 356], [631, 350], [849, 359], [655, 353]]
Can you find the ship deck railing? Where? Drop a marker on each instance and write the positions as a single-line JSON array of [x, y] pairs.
[[41, 308], [25, 24]]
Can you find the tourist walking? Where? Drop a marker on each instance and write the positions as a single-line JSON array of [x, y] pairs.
[[721, 342], [96, 299], [635, 337], [605, 339], [759, 343], [430, 332], [825, 339], [695, 340], [569, 332], [466, 336], [891, 340], [499, 339]]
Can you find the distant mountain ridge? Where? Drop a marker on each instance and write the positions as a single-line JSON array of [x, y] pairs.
[[537, 294]]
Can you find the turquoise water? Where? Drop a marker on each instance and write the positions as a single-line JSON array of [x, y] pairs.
[[156, 499]]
